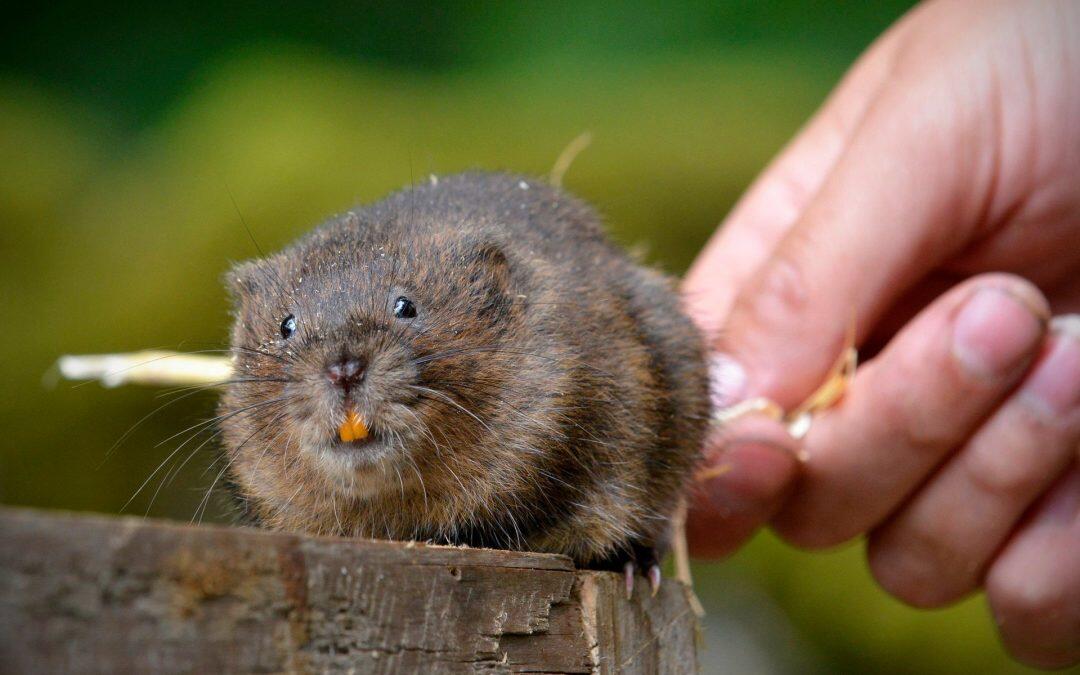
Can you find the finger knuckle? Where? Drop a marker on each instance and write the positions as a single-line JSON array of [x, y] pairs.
[[913, 572], [1017, 596], [810, 532], [781, 293], [1001, 475], [789, 191], [1015, 456], [910, 416]]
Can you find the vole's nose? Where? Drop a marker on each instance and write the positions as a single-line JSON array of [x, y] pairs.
[[346, 372]]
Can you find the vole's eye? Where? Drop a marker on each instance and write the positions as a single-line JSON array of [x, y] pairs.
[[404, 308], [288, 326]]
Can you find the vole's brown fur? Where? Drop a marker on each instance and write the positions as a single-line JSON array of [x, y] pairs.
[[549, 395]]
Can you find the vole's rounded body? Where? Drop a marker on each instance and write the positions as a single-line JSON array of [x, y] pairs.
[[524, 382]]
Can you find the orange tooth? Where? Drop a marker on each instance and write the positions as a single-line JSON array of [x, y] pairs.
[[353, 428]]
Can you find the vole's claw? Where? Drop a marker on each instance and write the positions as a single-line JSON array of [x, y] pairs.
[[629, 572], [654, 578]]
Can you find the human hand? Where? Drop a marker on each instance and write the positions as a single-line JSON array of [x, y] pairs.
[[935, 196]]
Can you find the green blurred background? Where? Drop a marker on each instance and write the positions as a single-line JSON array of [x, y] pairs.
[[127, 132]]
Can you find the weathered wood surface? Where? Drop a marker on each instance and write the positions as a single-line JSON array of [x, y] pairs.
[[96, 594]]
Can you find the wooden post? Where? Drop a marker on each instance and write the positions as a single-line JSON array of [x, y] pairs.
[[99, 594]]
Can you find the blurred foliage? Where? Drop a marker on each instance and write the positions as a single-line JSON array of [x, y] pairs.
[[134, 139]]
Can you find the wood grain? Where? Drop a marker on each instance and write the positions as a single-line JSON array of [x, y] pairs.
[[98, 594]]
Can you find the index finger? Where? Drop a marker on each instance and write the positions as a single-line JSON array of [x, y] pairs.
[[778, 196], [904, 195]]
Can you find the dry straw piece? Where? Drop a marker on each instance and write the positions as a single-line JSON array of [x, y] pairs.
[[824, 397], [152, 368]]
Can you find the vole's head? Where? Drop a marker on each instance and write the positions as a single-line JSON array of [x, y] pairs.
[[365, 355]]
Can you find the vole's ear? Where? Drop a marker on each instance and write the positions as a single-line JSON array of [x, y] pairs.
[[489, 265], [240, 280], [493, 280]]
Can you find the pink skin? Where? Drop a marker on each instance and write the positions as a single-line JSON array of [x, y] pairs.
[[936, 196]]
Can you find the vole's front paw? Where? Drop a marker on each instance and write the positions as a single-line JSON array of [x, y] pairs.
[[638, 558]]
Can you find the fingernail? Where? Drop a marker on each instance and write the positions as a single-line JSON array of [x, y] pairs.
[[1054, 386], [995, 332], [727, 381]]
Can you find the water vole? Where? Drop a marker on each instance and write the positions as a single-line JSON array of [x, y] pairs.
[[507, 376]]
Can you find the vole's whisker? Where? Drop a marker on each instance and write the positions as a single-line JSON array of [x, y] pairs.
[[337, 516], [222, 417], [206, 498], [274, 420], [169, 475], [178, 448], [223, 383], [143, 419], [419, 477], [423, 429], [232, 349], [268, 408], [448, 399], [559, 412], [270, 442], [259, 352], [503, 350]]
